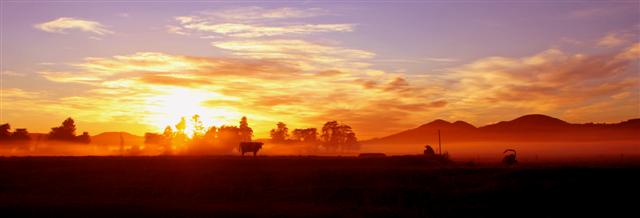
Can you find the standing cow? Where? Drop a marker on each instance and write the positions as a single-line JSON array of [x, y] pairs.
[[250, 147]]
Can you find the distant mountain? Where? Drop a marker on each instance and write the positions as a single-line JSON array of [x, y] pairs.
[[527, 123], [113, 138], [534, 127], [458, 129]]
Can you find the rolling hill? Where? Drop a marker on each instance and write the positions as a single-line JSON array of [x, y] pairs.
[[113, 138], [528, 128]]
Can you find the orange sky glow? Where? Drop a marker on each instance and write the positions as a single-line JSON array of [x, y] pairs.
[[306, 65]]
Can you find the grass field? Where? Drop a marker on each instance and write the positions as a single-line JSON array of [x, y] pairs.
[[310, 187]]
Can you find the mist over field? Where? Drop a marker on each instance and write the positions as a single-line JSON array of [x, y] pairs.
[[354, 108]]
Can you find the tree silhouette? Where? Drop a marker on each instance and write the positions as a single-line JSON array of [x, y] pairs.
[[244, 130], [229, 137], [180, 138], [309, 135], [168, 133], [280, 133], [84, 138], [330, 135], [4, 131], [20, 134], [182, 125], [67, 131], [210, 135], [339, 136], [198, 127]]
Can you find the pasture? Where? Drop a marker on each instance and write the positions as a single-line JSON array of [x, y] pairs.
[[224, 186]]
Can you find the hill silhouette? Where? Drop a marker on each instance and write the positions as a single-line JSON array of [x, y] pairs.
[[528, 128], [113, 138]]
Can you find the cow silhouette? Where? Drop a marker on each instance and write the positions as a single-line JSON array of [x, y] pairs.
[[250, 147]]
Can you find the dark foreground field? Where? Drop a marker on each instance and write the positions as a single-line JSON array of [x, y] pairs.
[[309, 187]]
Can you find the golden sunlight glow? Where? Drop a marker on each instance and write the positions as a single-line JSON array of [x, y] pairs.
[[168, 109]]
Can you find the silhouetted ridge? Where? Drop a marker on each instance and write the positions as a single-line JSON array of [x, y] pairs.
[[462, 124], [632, 123], [436, 123], [533, 127], [538, 119], [443, 124], [113, 138], [528, 122]]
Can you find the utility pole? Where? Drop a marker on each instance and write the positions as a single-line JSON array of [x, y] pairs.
[[439, 144]]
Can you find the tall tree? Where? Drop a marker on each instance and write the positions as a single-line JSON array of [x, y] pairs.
[[228, 137], [182, 125], [309, 135], [84, 138], [20, 134], [330, 135], [338, 136], [67, 131], [210, 135], [180, 138], [167, 136], [4, 131], [198, 127], [245, 131], [168, 132], [280, 133]]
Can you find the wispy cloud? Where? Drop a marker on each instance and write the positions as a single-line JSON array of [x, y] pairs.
[[176, 30], [441, 60], [63, 24], [612, 40], [253, 31], [12, 73], [306, 55], [67, 77], [253, 22], [260, 13]]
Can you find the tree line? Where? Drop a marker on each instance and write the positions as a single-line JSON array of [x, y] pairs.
[[65, 132], [334, 136], [221, 139]]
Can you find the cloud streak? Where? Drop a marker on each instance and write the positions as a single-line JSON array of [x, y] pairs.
[[255, 22], [64, 24]]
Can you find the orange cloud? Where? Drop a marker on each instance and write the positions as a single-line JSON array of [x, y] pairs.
[[159, 88], [550, 82], [292, 81], [611, 40]]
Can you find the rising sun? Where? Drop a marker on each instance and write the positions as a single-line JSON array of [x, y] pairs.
[[168, 108]]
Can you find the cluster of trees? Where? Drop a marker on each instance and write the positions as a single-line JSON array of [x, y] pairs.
[[67, 132], [17, 135], [334, 136], [222, 139]]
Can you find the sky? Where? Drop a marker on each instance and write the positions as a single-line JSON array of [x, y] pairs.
[[378, 66]]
